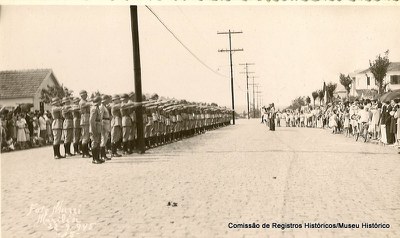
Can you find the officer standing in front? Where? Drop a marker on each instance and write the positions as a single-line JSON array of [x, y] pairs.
[[95, 129], [57, 126]]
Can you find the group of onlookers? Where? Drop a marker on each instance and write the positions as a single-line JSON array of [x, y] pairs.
[[22, 130], [381, 120]]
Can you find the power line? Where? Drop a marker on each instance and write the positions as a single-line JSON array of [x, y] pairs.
[[187, 48]]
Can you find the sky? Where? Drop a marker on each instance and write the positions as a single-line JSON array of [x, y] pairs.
[[294, 48]]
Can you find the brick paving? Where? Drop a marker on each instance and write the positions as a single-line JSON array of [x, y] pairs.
[[239, 174]]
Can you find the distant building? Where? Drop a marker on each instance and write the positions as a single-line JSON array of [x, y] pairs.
[[340, 91], [24, 86], [365, 80]]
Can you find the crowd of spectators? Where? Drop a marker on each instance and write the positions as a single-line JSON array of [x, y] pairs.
[[22, 130], [380, 119]]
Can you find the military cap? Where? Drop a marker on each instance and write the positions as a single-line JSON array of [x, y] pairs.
[[82, 92], [124, 96], [131, 94]]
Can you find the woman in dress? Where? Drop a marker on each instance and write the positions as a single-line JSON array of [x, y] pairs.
[[21, 134]]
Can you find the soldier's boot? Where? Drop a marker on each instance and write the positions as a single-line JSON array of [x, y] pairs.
[[58, 152], [67, 147], [55, 152], [103, 153], [130, 146], [114, 150], [78, 148], [88, 150], [96, 156], [124, 148], [85, 151], [76, 152]]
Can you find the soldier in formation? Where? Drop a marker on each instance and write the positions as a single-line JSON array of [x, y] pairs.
[[106, 120]]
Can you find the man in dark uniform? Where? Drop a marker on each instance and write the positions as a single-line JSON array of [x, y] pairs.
[[95, 129], [68, 125], [57, 126]]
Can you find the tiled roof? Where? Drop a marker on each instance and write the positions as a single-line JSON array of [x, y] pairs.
[[21, 83], [393, 66]]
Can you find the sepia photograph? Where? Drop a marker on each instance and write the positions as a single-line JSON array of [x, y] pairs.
[[200, 119]]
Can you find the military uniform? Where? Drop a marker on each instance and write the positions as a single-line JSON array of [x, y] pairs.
[[57, 126], [85, 124], [116, 123], [105, 127], [126, 125], [95, 130], [132, 114], [77, 126], [68, 125]]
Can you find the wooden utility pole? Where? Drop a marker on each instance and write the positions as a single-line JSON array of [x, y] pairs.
[[230, 60], [137, 78], [257, 93], [254, 84], [247, 86]]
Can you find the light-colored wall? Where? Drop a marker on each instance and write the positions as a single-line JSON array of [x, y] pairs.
[[393, 86], [361, 81], [36, 101]]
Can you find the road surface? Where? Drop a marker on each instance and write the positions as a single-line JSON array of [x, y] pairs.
[[202, 186]]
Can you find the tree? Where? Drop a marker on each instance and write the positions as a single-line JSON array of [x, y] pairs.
[[314, 96], [308, 100], [321, 95], [379, 69], [297, 103], [46, 94], [330, 89], [346, 82]]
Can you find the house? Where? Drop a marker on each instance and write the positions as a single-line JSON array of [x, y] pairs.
[[340, 91], [365, 80], [24, 87]]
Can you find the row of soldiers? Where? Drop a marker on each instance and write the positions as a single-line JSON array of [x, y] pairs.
[[110, 122]]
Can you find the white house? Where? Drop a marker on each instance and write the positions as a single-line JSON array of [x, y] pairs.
[[24, 86], [365, 79]]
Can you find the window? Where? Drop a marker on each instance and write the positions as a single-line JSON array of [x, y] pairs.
[[394, 79]]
